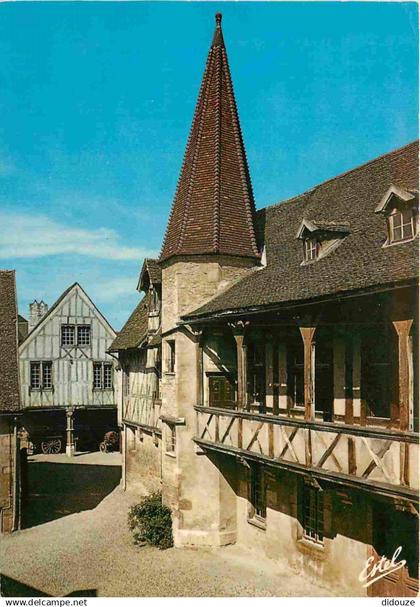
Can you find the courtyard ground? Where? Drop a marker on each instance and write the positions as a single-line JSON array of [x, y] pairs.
[[92, 552]]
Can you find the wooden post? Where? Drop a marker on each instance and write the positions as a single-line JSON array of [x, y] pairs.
[[307, 334], [239, 335], [269, 375], [348, 381], [69, 432], [199, 370], [402, 328]]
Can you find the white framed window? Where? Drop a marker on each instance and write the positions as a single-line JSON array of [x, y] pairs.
[[170, 439], [83, 335], [170, 361], [401, 225], [68, 335], [102, 376], [311, 249], [41, 375]]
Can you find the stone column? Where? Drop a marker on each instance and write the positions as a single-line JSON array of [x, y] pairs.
[[69, 432], [307, 334], [402, 327]]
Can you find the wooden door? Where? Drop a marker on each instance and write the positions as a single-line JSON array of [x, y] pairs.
[[221, 392]]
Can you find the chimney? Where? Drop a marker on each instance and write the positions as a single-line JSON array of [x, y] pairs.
[[37, 310]]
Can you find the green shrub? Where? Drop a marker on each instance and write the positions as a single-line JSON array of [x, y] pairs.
[[151, 522]]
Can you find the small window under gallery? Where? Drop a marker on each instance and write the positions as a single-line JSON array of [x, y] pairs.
[[313, 513], [257, 495]]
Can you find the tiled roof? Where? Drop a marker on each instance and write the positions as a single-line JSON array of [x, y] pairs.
[[9, 384], [23, 328], [358, 263], [135, 329], [150, 272], [213, 210]]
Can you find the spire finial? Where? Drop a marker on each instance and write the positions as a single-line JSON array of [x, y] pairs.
[[218, 19]]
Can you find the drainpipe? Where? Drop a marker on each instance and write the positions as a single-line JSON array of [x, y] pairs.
[[16, 478]]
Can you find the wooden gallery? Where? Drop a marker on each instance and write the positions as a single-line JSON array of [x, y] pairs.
[[271, 368]]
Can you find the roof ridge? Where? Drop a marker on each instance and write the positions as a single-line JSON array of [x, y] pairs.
[[356, 168]]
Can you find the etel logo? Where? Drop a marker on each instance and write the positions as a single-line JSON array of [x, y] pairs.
[[373, 572]]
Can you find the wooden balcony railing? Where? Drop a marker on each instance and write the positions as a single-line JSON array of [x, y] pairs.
[[382, 461]]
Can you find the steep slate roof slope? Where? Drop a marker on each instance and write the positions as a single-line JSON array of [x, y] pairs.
[[357, 263], [213, 210], [135, 329], [9, 384]]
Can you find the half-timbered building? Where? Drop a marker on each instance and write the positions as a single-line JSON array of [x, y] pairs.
[[10, 406], [138, 346], [289, 335], [66, 374]]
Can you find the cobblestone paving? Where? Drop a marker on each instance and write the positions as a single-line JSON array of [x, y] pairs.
[[92, 550]]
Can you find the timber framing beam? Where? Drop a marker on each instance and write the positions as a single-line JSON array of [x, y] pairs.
[[384, 489], [145, 427], [381, 433]]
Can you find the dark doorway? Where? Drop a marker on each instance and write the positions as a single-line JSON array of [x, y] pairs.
[[378, 378], [324, 374], [256, 376]]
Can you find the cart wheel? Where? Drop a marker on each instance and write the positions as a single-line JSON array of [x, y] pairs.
[[49, 447], [103, 448]]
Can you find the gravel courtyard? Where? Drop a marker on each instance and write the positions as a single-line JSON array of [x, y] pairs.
[[92, 550]]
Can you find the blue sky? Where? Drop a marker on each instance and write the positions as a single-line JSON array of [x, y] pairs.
[[97, 99]]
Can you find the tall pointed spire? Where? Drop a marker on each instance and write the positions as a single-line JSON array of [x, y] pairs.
[[213, 211]]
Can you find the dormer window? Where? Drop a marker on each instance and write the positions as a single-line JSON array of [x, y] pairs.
[[311, 249], [320, 237], [400, 208]]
